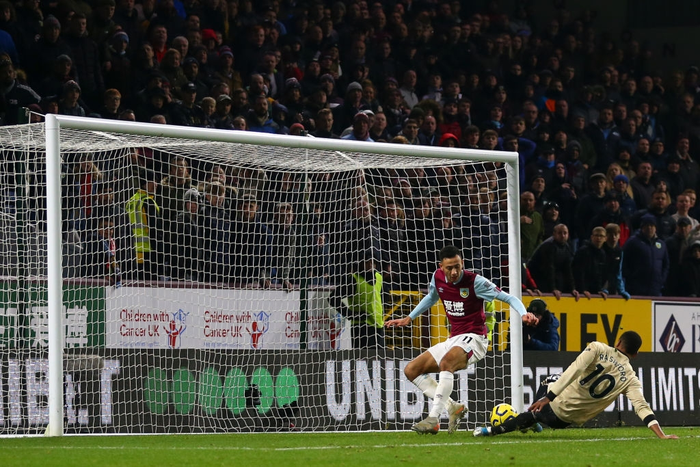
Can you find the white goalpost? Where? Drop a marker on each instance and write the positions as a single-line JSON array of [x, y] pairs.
[[170, 279]]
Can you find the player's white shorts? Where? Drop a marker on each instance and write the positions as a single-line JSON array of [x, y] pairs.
[[474, 343]]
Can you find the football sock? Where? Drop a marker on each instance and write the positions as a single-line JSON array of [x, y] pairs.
[[428, 385], [442, 393]]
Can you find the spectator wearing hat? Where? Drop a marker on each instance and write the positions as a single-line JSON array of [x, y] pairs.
[[208, 39], [657, 155], [551, 217], [551, 264], [538, 187], [156, 104], [590, 205], [62, 72], [292, 99], [659, 208], [118, 73], [222, 118], [448, 140], [86, 59], [225, 71], [623, 159], [450, 118], [672, 176], [311, 78], [190, 68], [646, 263], [328, 86], [344, 114], [542, 166], [69, 101], [590, 263], [46, 50], [544, 333], [127, 17], [360, 128], [187, 113], [297, 129]]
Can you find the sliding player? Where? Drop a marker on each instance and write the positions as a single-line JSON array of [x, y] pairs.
[[463, 294], [599, 374]]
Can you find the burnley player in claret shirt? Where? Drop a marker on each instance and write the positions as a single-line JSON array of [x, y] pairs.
[[463, 294]]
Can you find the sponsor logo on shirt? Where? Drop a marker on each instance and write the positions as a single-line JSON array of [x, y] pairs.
[[454, 308]]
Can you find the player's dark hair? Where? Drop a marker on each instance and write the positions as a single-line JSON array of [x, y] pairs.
[[449, 251], [631, 341]]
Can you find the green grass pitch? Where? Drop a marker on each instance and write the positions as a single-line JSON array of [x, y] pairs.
[[571, 447]]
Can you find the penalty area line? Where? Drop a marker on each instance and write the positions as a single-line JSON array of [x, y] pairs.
[[490, 442]]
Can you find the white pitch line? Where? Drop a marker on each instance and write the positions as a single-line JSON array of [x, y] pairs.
[[326, 448]]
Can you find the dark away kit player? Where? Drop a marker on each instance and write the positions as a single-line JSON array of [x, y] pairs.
[[590, 384]]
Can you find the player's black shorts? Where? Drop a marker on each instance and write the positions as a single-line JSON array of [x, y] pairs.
[[547, 415], [549, 418]]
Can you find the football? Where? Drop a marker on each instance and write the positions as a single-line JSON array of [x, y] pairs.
[[502, 413]]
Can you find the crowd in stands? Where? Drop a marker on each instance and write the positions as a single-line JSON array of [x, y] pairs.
[[608, 144]]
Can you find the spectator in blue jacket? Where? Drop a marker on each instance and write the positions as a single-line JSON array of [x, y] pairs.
[[544, 335], [646, 263]]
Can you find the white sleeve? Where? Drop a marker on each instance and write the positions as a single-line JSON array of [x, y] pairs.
[[488, 291]]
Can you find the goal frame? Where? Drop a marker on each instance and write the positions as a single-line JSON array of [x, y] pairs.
[[54, 124]]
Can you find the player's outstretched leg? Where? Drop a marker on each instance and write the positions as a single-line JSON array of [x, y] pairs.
[[524, 420], [456, 412]]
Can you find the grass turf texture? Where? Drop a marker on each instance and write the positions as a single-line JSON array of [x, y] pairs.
[[570, 447]]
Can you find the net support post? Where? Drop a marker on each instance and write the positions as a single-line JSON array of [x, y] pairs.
[[55, 280], [515, 284]]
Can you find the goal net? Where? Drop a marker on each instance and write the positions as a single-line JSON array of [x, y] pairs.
[[217, 281]]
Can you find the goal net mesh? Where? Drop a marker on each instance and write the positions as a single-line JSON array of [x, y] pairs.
[[223, 287]]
